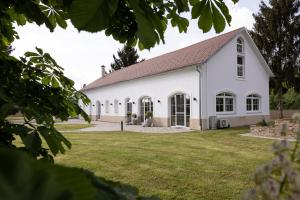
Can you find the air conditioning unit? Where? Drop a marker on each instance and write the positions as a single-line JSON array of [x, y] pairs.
[[223, 123]]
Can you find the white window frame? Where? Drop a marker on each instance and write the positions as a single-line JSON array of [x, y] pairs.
[[241, 45], [106, 106], [253, 97], [116, 106], [224, 96]]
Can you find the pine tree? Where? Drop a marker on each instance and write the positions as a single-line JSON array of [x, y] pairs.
[[127, 56], [277, 34]]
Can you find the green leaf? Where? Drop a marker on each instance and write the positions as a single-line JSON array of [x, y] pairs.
[[39, 50], [32, 141], [218, 20], [197, 9], [46, 80], [54, 82], [205, 21], [61, 21], [224, 11], [92, 15], [30, 54]]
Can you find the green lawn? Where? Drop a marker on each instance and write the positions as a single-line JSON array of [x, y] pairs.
[[71, 127], [210, 165]]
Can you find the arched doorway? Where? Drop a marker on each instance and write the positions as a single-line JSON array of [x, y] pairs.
[[146, 105], [98, 110], [180, 109]]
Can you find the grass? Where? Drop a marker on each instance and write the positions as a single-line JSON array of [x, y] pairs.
[[71, 127], [210, 165]]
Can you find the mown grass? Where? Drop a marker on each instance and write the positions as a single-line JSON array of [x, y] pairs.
[[71, 127], [210, 165]]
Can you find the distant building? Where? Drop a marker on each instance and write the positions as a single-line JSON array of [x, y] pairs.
[[224, 77]]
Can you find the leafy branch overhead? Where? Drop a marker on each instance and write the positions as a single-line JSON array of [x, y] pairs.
[[141, 22]]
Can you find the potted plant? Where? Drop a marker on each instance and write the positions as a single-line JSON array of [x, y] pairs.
[[134, 119], [128, 117], [149, 119]]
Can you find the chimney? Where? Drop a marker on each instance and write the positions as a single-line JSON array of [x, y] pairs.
[[103, 72]]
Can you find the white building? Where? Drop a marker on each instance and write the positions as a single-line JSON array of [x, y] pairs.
[[224, 77]]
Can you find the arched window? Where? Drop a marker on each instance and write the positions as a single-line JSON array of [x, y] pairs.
[[116, 106], [180, 110], [106, 106], [240, 58], [146, 105], [225, 103], [253, 103]]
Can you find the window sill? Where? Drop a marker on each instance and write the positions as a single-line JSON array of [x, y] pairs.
[[253, 112], [225, 113], [241, 79]]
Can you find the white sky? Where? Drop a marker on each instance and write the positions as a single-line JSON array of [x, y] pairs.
[[82, 54]]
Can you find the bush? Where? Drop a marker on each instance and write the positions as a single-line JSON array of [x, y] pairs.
[[291, 100], [263, 122], [148, 115]]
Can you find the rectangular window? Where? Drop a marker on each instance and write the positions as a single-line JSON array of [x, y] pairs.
[[240, 66], [229, 104], [239, 48], [116, 106], [255, 104], [129, 107], [107, 106], [220, 105], [249, 104]]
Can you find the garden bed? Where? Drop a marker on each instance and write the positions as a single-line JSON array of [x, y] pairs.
[[275, 129]]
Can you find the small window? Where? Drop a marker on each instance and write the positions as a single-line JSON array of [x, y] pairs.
[[225, 103], [239, 45], [116, 106], [128, 105], [240, 59], [253, 103], [107, 106]]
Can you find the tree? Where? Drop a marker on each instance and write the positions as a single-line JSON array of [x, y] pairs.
[[35, 86], [277, 34], [127, 56]]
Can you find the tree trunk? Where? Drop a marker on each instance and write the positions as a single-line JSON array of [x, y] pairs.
[[280, 101]]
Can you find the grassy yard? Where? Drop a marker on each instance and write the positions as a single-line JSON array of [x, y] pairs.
[[211, 165], [71, 127]]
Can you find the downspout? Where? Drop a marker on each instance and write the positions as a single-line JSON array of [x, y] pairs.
[[198, 68]]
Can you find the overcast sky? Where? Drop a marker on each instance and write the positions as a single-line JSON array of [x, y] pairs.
[[82, 54]]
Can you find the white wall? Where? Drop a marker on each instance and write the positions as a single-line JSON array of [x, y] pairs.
[[158, 87], [220, 75]]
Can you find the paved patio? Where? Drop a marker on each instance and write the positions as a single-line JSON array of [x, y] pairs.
[[109, 126]]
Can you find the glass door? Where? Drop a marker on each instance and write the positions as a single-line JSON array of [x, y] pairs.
[[146, 106], [180, 110]]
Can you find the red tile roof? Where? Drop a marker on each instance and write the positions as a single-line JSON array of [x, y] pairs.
[[195, 54]]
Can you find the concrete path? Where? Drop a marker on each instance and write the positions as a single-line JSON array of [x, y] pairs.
[[266, 137], [108, 126]]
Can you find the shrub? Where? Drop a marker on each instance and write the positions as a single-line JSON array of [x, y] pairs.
[[128, 114], [148, 115], [263, 122]]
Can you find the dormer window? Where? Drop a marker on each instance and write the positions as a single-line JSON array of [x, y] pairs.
[[240, 58]]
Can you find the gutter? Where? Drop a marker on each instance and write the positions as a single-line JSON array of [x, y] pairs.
[[198, 68]]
